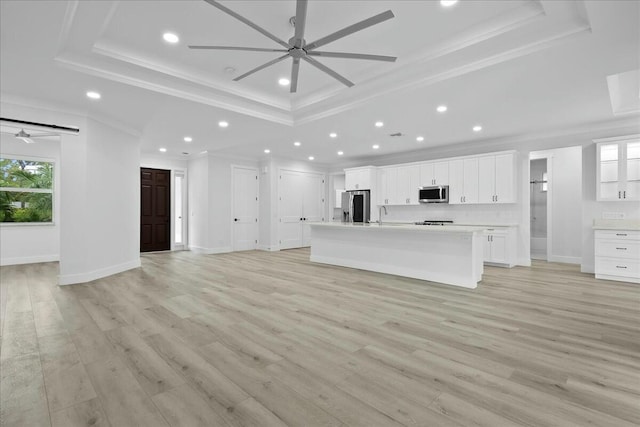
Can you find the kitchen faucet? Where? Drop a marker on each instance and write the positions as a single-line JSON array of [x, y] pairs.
[[380, 208]]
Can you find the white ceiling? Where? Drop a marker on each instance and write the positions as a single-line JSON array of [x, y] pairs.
[[515, 67]]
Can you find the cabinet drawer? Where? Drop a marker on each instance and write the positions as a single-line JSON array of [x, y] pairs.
[[617, 234], [617, 267], [618, 248]]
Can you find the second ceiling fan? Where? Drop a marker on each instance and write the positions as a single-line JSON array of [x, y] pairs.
[[297, 47]]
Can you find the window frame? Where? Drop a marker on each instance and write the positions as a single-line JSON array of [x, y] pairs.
[[51, 191]]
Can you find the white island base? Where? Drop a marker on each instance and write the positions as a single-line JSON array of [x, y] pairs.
[[451, 255]]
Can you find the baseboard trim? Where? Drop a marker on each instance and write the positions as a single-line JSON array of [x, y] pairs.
[[29, 260], [72, 279], [565, 259], [524, 262], [585, 268], [268, 248], [210, 251]]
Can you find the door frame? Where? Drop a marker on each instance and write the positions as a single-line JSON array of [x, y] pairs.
[[185, 206], [232, 213]]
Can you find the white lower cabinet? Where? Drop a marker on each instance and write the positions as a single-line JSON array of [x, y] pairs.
[[500, 246], [617, 254]]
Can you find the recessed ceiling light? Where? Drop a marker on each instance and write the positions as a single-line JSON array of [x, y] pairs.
[[448, 3], [93, 95], [340, 153], [420, 138], [333, 135], [283, 82], [311, 158], [162, 150], [477, 128], [223, 124], [170, 38], [187, 139], [267, 151], [441, 108], [379, 124], [375, 146], [297, 144]]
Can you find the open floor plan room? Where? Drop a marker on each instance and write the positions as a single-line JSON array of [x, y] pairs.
[[258, 338]]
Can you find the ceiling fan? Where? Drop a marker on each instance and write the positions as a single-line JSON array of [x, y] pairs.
[[28, 138], [297, 47]]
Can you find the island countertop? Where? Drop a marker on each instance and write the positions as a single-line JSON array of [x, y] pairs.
[[402, 226]]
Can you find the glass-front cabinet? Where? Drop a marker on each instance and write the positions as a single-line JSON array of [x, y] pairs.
[[618, 169]]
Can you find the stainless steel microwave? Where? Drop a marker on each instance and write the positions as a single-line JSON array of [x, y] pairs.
[[434, 194]]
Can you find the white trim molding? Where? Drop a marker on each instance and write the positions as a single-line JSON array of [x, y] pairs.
[[72, 279]]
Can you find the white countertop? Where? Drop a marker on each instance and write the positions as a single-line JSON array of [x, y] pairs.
[[403, 226], [616, 224], [464, 224]]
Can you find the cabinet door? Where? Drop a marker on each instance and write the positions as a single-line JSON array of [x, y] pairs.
[[407, 185], [470, 186], [487, 248], [350, 178], [498, 248], [441, 173], [487, 179], [385, 185], [426, 175], [505, 178], [456, 181], [392, 186], [609, 187], [631, 189]]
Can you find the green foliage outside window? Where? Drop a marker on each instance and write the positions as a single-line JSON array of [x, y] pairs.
[[26, 191]]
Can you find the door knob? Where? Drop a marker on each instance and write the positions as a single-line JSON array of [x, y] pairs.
[[235, 219]]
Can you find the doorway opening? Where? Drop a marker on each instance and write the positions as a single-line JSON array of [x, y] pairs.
[[539, 204], [155, 210]]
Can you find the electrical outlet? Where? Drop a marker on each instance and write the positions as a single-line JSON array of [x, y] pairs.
[[613, 215]]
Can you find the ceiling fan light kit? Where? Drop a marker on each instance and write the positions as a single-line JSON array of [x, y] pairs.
[[28, 138], [298, 49]]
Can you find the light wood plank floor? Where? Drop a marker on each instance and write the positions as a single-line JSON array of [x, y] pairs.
[[270, 339]]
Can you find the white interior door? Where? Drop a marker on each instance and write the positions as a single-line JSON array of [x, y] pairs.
[[290, 209], [245, 208], [312, 203]]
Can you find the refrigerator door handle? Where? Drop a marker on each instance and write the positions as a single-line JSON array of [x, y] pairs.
[[351, 207]]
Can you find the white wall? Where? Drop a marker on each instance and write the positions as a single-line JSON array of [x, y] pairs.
[[210, 187], [198, 203], [24, 244], [99, 194]]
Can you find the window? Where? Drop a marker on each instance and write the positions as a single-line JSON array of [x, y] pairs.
[[26, 191]]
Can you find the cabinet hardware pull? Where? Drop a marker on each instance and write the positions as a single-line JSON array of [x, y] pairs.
[[624, 194], [621, 249], [621, 266], [621, 234], [619, 194]]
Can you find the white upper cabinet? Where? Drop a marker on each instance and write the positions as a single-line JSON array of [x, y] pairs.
[[496, 178], [388, 183], [359, 178], [618, 169], [434, 173], [463, 181], [407, 185]]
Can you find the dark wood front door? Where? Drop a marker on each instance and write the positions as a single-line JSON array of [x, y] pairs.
[[155, 210]]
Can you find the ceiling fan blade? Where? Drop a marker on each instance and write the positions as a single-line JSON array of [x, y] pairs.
[[301, 20], [328, 70], [252, 49], [241, 18], [381, 17], [263, 66], [352, 56], [26, 139], [295, 69]]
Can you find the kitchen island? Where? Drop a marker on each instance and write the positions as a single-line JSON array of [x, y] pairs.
[[447, 254]]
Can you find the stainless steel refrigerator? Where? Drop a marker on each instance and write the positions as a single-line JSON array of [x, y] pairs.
[[356, 206]]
